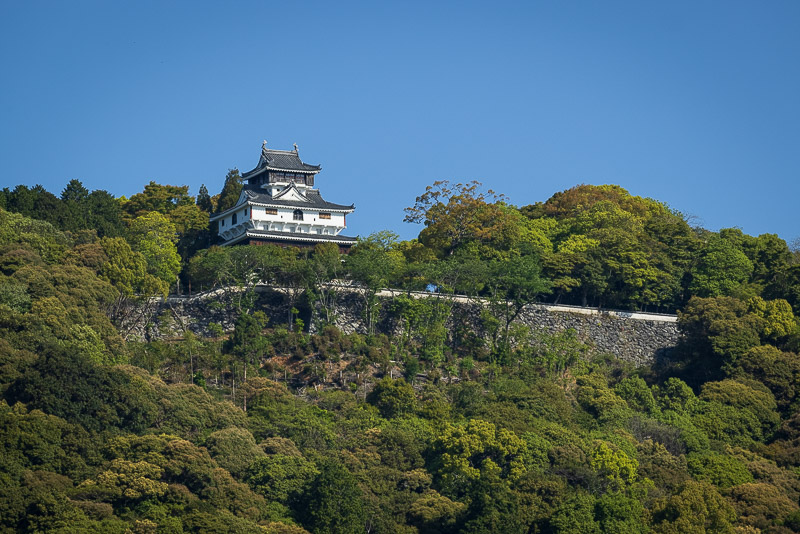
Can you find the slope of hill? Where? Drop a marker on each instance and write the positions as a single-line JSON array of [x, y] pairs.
[[436, 427]]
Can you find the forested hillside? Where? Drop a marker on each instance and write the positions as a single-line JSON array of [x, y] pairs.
[[271, 428]]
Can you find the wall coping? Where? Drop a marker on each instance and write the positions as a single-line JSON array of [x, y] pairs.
[[563, 308]]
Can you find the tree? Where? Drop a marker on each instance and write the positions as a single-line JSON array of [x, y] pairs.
[[104, 214], [234, 449], [293, 274], [247, 341], [779, 371], [204, 200], [231, 191], [281, 478], [467, 453], [157, 197], [738, 413], [153, 235], [721, 270], [514, 284], [334, 504], [175, 203], [326, 270], [761, 505], [717, 331], [392, 397], [126, 482], [75, 192], [697, 509], [575, 514], [617, 469], [126, 270], [616, 248], [457, 214], [69, 385], [374, 263], [75, 198]]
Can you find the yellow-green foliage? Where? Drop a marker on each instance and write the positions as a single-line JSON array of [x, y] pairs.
[[614, 465]]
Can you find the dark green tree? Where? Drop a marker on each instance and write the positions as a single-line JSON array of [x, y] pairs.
[[204, 200], [334, 504], [392, 397], [230, 191]]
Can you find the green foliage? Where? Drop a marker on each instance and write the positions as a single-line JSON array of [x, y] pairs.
[[598, 399], [779, 371], [76, 210], [721, 470], [393, 398], [721, 271], [698, 508], [96, 397], [761, 505], [575, 514], [234, 449], [507, 429], [39, 236], [374, 263], [613, 465], [231, 190], [637, 394], [457, 215], [334, 503], [434, 512], [467, 453], [204, 201], [280, 478], [153, 235], [126, 481], [127, 270], [738, 413]]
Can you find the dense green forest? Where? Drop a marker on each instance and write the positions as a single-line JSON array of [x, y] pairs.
[[442, 430]]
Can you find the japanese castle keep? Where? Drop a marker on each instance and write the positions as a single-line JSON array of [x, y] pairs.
[[279, 205]]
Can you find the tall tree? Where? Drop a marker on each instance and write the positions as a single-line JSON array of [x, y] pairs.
[[326, 271], [722, 270], [75, 192], [153, 235], [204, 200], [374, 263], [457, 214], [230, 191], [334, 504]]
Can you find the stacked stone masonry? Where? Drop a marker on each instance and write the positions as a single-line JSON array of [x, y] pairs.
[[639, 338]]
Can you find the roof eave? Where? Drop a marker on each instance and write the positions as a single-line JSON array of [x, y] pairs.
[[291, 237], [269, 205], [255, 172]]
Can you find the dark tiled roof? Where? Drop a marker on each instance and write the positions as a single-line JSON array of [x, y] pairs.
[[283, 160], [315, 200], [303, 238]]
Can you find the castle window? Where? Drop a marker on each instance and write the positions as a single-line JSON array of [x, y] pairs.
[[270, 211], [324, 215], [233, 218], [223, 222], [298, 215]]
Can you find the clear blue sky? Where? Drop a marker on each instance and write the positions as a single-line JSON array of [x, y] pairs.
[[694, 103]]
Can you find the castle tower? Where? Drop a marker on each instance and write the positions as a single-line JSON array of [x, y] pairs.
[[279, 205]]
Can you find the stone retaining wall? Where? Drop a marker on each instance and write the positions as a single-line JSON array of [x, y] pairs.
[[636, 337]]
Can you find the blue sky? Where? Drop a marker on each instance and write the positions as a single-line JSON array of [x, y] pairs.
[[692, 103]]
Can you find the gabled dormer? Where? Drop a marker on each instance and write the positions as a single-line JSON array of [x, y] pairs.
[[290, 192]]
